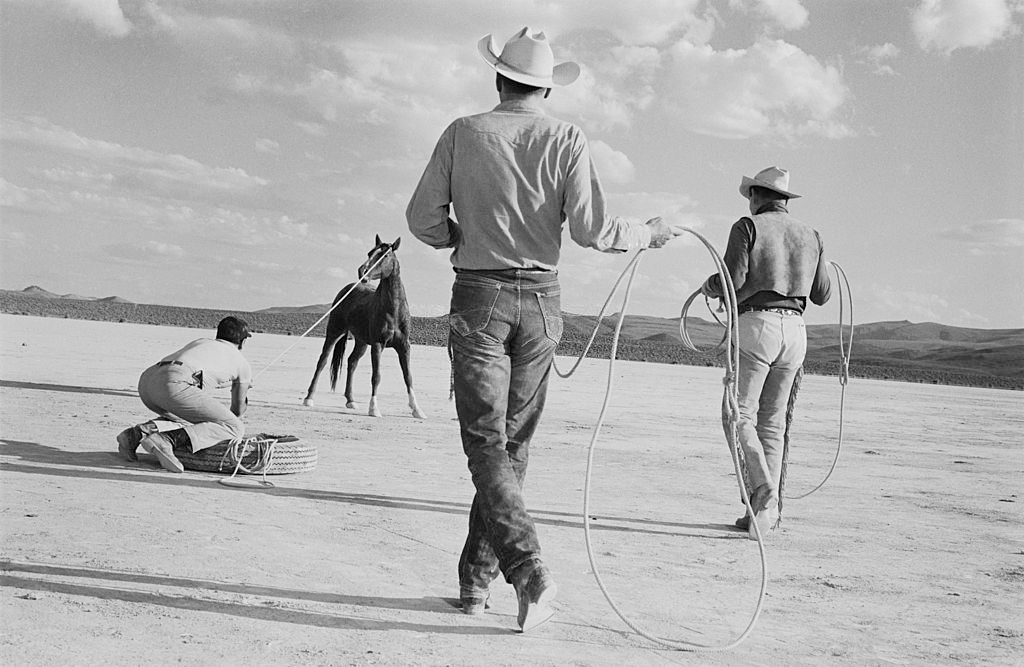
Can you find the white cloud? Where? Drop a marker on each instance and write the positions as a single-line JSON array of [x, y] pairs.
[[104, 15], [787, 14], [877, 58], [613, 166], [268, 146], [987, 237], [772, 88], [130, 165], [948, 25]]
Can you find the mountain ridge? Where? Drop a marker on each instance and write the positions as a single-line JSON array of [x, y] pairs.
[[898, 349]]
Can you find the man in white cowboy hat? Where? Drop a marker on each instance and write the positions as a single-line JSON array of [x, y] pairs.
[[776, 263], [514, 176]]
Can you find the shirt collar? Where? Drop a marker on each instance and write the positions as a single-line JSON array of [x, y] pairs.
[[776, 205], [519, 106]]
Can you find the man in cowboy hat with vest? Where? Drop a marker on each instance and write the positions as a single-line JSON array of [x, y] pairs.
[[514, 176], [776, 263]]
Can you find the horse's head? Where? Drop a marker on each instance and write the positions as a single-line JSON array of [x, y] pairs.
[[380, 261]]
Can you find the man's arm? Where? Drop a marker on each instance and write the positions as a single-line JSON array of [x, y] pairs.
[[584, 208], [737, 259], [239, 398], [428, 213], [821, 287]]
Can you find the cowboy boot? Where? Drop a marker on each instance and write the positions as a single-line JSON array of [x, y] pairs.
[[128, 440]]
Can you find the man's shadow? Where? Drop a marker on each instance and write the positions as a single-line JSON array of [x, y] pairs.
[[38, 453]]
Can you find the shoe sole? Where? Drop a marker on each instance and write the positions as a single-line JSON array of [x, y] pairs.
[[124, 446], [167, 461], [533, 614]]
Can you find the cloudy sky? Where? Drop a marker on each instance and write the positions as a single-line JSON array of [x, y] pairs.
[[242, 154]]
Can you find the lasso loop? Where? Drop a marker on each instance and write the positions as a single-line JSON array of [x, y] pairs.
[[730, 411], [239, 449], [845, 349]]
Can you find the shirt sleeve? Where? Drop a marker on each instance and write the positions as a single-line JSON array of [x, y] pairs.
[[584, 208], [821, 287], [244, 370], [428, 213], [737, 258]]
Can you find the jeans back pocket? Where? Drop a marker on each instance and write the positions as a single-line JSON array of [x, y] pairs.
[[472, 305]]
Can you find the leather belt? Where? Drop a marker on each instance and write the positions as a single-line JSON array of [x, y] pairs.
[[768, 309]]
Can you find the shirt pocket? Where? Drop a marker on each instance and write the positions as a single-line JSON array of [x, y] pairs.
[[471, 308]]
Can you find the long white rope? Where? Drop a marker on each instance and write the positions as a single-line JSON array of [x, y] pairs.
[[730, 408], [843, 287]]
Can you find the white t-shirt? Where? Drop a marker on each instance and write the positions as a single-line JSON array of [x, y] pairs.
[[221, 362]]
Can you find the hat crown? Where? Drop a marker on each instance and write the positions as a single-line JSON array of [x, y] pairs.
[[527, 58], [775, 177], [529, 53]]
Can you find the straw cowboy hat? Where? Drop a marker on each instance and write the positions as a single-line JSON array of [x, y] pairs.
[[527, 58], [772, 178]]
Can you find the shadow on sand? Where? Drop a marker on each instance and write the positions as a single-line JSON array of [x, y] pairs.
[[39, 386], [13, 576], [86, 462]]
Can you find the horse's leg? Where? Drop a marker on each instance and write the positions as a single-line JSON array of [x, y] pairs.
[[358, 350], [403, 360], [375, 379], [320, 363]]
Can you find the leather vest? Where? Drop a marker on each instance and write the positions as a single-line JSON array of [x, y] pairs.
[[783, 259]]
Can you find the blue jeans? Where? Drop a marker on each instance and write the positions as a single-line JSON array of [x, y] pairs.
[[505, 326], [772, 350]]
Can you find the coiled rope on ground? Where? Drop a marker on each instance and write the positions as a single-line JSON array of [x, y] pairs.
[[241, 447]]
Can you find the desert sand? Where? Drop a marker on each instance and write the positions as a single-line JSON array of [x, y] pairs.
[[911, 554]]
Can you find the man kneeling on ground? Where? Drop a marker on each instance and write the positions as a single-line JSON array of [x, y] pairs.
[[179, 388]]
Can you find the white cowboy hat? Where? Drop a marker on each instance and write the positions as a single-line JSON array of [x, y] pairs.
[[527, 58], [772, 178]]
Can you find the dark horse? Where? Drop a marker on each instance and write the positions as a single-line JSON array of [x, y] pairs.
[[375, 318]]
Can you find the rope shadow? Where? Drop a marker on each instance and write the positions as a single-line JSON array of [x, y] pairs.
[[74, 389], [262, 612], [38, 453]]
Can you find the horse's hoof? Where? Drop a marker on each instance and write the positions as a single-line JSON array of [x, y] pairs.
[[419, 415], [375, 413], [308, 402], [351, 405]]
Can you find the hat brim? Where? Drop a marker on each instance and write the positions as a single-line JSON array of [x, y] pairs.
[[561, 75], [748, 183]]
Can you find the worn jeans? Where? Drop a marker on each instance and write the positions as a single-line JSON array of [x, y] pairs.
[[172, 393], [505, 326], [772, 350]]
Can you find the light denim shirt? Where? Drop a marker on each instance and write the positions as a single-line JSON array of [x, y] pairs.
[[514, 175]]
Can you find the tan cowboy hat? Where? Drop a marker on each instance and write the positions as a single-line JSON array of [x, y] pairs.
[[772, 178], [527, 58]]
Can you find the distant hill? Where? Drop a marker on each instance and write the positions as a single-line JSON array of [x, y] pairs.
[[39, 293], [906, 351]]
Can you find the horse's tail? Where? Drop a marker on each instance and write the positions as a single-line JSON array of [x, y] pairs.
[[336, 356]]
